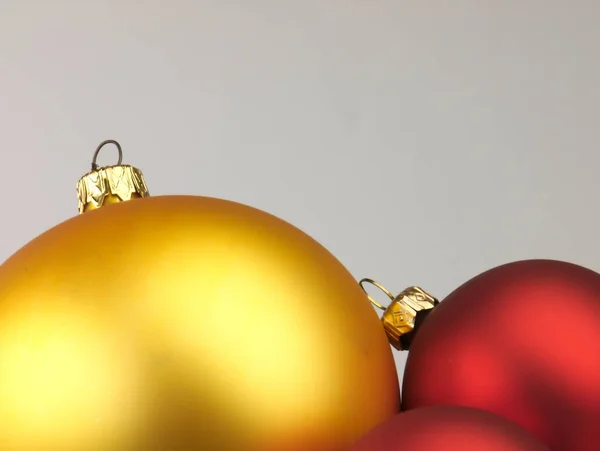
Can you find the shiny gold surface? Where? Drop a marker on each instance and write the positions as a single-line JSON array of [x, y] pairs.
[[195, 324], [110, 185], [402, 317]]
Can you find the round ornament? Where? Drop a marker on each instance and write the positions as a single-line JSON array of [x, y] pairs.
[[521, 340], [184, 322], [448, 428]]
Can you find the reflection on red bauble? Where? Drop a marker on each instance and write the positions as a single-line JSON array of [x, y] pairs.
[[523, 341], [448, 428]]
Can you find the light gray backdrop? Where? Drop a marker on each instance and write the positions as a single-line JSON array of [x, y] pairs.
[[422, 142]]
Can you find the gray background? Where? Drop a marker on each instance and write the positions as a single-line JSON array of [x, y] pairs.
[[422, 142]]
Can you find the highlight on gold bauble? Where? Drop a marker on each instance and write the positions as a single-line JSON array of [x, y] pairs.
[[186, 322]]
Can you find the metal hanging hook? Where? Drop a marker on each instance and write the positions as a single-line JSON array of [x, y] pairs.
[[102, 144], [378, 285]]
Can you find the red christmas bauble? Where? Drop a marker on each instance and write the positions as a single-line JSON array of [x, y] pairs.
[[448, 428], [521, 340]]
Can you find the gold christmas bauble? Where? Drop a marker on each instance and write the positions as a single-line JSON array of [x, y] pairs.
[[186, 323]]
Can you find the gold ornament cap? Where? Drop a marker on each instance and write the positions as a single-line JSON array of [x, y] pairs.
[[110, 184], [404, 315]]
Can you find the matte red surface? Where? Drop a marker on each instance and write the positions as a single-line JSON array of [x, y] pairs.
[[523, 341], [448, 428]]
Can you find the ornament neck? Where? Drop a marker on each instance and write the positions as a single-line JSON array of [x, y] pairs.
[[404, 315], [110, 184]]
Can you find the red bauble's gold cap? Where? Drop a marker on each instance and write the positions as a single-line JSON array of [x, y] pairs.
[[110, 184], [404, 315]]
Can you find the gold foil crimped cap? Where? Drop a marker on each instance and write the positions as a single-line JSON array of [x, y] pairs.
[[110, 184], [404, 315]]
